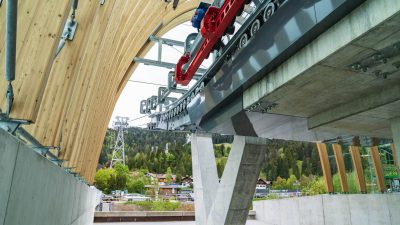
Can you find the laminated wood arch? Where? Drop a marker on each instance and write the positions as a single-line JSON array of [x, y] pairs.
[[70, 98]]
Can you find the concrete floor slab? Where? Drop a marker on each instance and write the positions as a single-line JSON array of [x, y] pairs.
[[319, 78]]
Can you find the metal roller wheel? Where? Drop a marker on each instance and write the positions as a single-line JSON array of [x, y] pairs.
[[255, 26], [268, 11], [239, 13], [243, 40]]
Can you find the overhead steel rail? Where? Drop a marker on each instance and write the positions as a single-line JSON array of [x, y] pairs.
[[245, 61]]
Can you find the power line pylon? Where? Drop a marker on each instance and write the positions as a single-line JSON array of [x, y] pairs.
[[118, 155]]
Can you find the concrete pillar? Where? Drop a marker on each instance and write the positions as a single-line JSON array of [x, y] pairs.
[[226, 202], [395, 123], [205, 176], [236, 190]]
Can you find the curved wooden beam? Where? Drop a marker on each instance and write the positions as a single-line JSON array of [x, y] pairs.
[[70, 98]]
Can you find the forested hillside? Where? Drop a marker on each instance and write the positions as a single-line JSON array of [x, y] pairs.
[[155, 151]]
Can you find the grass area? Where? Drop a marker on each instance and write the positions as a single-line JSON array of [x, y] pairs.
[[270, 197], [157, 205]]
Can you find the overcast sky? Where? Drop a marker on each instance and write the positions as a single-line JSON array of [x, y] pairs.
[[128, 104]]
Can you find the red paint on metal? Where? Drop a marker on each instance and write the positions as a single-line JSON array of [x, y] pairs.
[[213, 26]]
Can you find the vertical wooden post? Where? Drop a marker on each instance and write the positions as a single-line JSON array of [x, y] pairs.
[[326, 168], [394, 154], [376, 161], [355, 156], [337, 150]]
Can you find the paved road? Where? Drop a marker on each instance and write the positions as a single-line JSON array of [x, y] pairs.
[[249, 222]]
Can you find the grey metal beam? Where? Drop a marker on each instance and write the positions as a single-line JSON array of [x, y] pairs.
[[11, 38], [37, 146], [379, 97], [167, 65], [166, 41], [175, 4], [154, 63], [11, 46]]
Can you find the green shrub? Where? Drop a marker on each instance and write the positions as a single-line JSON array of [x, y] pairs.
[[157, 205]]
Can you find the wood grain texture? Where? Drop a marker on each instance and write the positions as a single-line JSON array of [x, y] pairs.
[[40, 24], [394, 154], [377, 163], [337, 150], [70, 98], [358, 169], [326, 167]]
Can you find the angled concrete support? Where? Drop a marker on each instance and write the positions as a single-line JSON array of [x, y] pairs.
[[395, 124], [205, 176], [231, 198]]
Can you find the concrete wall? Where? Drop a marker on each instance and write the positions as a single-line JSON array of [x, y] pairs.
[[382, 209], [34, 191]]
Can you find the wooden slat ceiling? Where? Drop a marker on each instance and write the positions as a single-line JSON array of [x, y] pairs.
[[70, 98]]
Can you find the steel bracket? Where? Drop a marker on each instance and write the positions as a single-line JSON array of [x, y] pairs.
[[261, 107], [175, 4], [382, 64], [41, 150], [10, 125], [69, 29]]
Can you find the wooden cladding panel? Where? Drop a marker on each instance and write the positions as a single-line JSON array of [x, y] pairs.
[[326, 168], [40, 24], [78, 91], [394, 153], [356, 157], [337, 150], [376, 161], [61, 83]]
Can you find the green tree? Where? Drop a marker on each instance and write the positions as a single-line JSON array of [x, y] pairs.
[[290, 182], [103, 179], [279, 184], [317, 186], [137, 183], [304, 182], [168, 176], [121, 176], [136, 186], [221, 162], [283, 167]]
